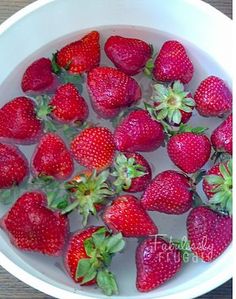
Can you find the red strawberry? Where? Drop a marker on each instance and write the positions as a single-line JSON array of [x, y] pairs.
[[32, 226], [94, 148], [89, 193], [52, 158], [80, 56], [18, 122], [169, 192], [126, 215], [68, 105], [88, 255], [212, 97], [221, 138], [157, 261], [189, 150], [111, 90], [13, 166], [128, 54], [218, 184], [173, 63], [38, 76], [172, 104], [209, 233], [132, 172], [138, 132]]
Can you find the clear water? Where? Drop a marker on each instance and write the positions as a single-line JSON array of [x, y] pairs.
[[51, 269]]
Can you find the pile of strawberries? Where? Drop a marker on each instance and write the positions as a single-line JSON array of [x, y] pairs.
[[53, 113]]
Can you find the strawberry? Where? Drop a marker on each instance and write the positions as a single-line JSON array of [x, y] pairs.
[[128, 54], [190, 149], [157, 261], [13, 166], [221, 137], [169, 192], [213, 97], [52, 158], [209, 233], [80, 56], [132, 172], [94, 148], [218, 184], [89, 254], [89, 193], [32, 226], [18, 122], [38, 76], [68, 105], [138, 132], [111, 90], [172, 63], [172, 104], [126, 215]]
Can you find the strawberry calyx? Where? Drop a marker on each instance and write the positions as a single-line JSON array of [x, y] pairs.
[[57, 196], [149, 66], [87, 192], [43, 111], [220, 156], [148, 69], [185, 128], [222, 188], [170, 100], [100, 248], [183, 245], [9, 195], [194, 180], [64, 76], [126, 169]]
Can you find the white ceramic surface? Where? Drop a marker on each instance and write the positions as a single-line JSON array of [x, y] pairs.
[[206, 32]]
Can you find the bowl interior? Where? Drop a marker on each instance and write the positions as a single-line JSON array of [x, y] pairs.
[[51, 270]]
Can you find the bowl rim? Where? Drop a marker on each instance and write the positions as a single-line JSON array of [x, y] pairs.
[[61, 293], [40, 3]]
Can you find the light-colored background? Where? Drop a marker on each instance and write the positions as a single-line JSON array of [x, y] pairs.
[[11, 287]]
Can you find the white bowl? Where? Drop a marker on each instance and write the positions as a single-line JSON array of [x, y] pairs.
[[46, 22]]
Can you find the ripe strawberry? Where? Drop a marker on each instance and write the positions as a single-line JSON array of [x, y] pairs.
[[89, 192], [132, 172], [18, 122], [209, 233], [169, 192], [88, 256], [126, 215], [52, 158], [80, 56], [173, 63], [94, 148], [172, 104], [189, 150], [128, 54], [138, 132], [221, 138], [218, 184], [111, 90], [212, 97], [13, 166], [32, 226], [38, 76], [157, 261], [68, 105]]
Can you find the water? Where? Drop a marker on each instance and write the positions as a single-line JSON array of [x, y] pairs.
[[51, 269]]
